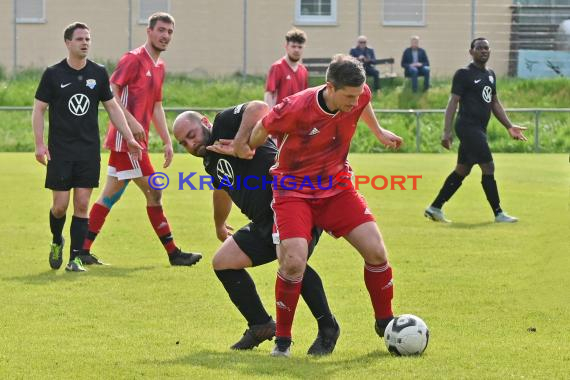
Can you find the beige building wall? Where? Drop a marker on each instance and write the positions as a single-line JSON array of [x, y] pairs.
[[209, 34], [6, 41]]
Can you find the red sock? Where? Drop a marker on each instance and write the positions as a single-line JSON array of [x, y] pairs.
[[161, 227], [378, 279], [97, 217], [286, 295]]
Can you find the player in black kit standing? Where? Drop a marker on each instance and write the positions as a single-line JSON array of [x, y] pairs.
[[72, 89], [475, 89], [248, 184]]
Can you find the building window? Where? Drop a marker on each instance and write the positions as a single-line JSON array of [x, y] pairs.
[[315, 12], [404, 12], [148, 7], [30, 11]]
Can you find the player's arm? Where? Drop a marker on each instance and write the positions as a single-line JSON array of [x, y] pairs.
[[136, 127], [251, 133], [270, 98], [447, 137], [120, 122], [515, 131], [386, 137], [159, 121], [38, 126], [222, 207]]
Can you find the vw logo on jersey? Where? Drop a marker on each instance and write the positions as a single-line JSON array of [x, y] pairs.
[[225, 172], [487, 94], [78, 104]]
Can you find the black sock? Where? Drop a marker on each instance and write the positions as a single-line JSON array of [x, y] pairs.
[[77, 230], [242, 292], [450, 186], [491, 192], [56, 227], [314, 295]]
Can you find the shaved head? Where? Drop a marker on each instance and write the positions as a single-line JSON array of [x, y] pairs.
[[192, 130]]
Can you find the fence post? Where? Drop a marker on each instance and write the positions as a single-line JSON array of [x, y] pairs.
[[418, 131], [536, 127]]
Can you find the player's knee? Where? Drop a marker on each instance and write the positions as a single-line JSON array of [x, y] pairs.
[[376, 255], [154, 197], [218, 262], [293, 266], [81, 208], [59, 210]]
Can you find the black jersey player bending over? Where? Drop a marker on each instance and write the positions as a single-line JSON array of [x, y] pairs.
[[252, 245]]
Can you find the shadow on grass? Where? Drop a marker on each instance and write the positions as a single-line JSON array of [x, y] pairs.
[[259, 363], [470, 226], [52, 275]]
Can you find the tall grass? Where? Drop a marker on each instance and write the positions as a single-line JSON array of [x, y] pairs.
[[182, 91]]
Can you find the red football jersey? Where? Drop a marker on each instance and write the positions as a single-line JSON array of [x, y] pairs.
[[140, 79], [285, 81], [314, 144]]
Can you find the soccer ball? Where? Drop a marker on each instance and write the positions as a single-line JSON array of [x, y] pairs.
[[406, 335]]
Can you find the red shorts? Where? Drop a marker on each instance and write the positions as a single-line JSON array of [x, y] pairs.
[[338, 215], [123, 166]]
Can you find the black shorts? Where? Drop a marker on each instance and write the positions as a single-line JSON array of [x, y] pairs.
[[256, 241], [473, 147], [63, 175]]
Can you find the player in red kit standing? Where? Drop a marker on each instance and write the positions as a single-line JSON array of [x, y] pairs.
[[316, 127], [137, 83], [287, 75]]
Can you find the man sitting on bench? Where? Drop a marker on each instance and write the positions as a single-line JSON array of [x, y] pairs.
[[366, 55], [416, 63]]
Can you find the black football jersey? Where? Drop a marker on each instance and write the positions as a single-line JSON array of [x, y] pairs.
[[476, 88], [73, 97], [247, 182]]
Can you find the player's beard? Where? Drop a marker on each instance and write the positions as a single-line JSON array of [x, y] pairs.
[[158, 48], [293, 59]]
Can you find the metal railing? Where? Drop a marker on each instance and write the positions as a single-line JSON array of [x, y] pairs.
[[537, 112]]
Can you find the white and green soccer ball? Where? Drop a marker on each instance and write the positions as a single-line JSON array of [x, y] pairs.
[[406, 335]]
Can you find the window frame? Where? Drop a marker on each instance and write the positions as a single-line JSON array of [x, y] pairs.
[[404, 23], [33, 20], [316, 20], [144, 21]]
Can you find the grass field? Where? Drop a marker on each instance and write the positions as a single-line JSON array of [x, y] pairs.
[[479, 286]]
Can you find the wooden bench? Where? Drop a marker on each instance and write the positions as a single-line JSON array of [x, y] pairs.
[[319, 66]]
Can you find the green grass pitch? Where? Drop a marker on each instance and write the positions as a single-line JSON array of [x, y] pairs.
[[495, 297]]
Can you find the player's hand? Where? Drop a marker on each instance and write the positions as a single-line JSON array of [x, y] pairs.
[[447, 140], [224, 231], [138, 131], [516, 132], [42, 153], [228, 148], [390, 139], [135, 149], [168, 155]]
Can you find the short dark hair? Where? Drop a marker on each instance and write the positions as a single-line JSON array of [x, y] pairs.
[[296, 35], [477, 39], [159, 16], [68, 31], [345, 70]]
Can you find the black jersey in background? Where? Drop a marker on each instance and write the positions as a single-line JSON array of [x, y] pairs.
[[476, 88], [73, 97], [239, 174]]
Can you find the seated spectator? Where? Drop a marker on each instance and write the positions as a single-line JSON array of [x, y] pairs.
[[366, 55], [416, 63]]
